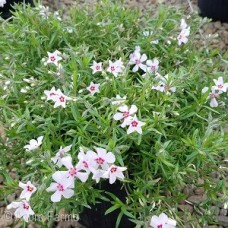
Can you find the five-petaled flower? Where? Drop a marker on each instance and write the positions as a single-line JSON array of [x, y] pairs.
[[101, 159], [73, 171], [28, 190], [134, 125], [162, 221], [93, 88], [23, 209], [60, 154], [164, 85], [185, 32], [116, 67], [54, 57], [220, 85], [62, 187], [114, 172], [96, 67], [137, 59], [60, 99], [51, 93], [153, 65], [34, 144], [125, 113]]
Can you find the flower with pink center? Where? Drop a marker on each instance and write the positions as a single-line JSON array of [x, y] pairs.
[[125, 113], [152, 65], [51, 93], [62, 187], [101, 159], [183, 36], [60, 99], [162, 221], [113, 173], [23, 209], [213, 95], [84, 161], [28, 190], [137, 59], [60, 154], [96, 67], [34, 144], [93, 88], [134, 125], [54, 57], [116, 67], [73, 171], [220, 85]]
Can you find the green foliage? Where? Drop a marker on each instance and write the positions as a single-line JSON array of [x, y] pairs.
[[185, 143]]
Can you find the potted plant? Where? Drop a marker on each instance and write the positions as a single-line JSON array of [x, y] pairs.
[[216, 10], [109, 115]]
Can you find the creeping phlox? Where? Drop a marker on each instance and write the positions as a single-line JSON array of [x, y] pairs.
[[99, 163], [23, 208], [162, 221], [164, 85], [34, 144], [57, 96], [219, 88], [126, 114], [185, 32]]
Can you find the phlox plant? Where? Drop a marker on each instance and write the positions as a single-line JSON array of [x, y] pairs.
[[105, 93]]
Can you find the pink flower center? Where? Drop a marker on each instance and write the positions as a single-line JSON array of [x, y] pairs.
[[60, 188], [113, 170], [159, 226], [52, 94], [52, 58], [153, 68], [25, 206], [220, 86], [213, 95], [72, 171], [125, 114], [98, 67], [92, 88], [137, 61], [85, 164], [29, 188], [100, 160], [134, 123], [113, 68], [61, 153], [62, 99]]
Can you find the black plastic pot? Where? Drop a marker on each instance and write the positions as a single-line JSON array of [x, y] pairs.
[[217, 10], [5, 11], [96, 218]]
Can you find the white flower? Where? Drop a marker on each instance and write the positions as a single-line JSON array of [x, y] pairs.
[[97, 174], [220, 85], [93, 88], [147, 33], [34, 144], [154, 42], [73, 171], [183, 24], [124, 113], [2, 3], [60, 154], [116, 67], [62, 187], [183, 36], [84, 161], [213, 95], [23, 209], [54, 57], [101, 159], [51, 93], [137, 59], [114, 172], [44, 11], [118, 100], [96, 67], [164, 85], [153, 65], [28, 190], [60, 99], [134, 125], [162, 221]]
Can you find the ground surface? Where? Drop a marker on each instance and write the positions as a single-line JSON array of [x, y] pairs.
[[219, 35]]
